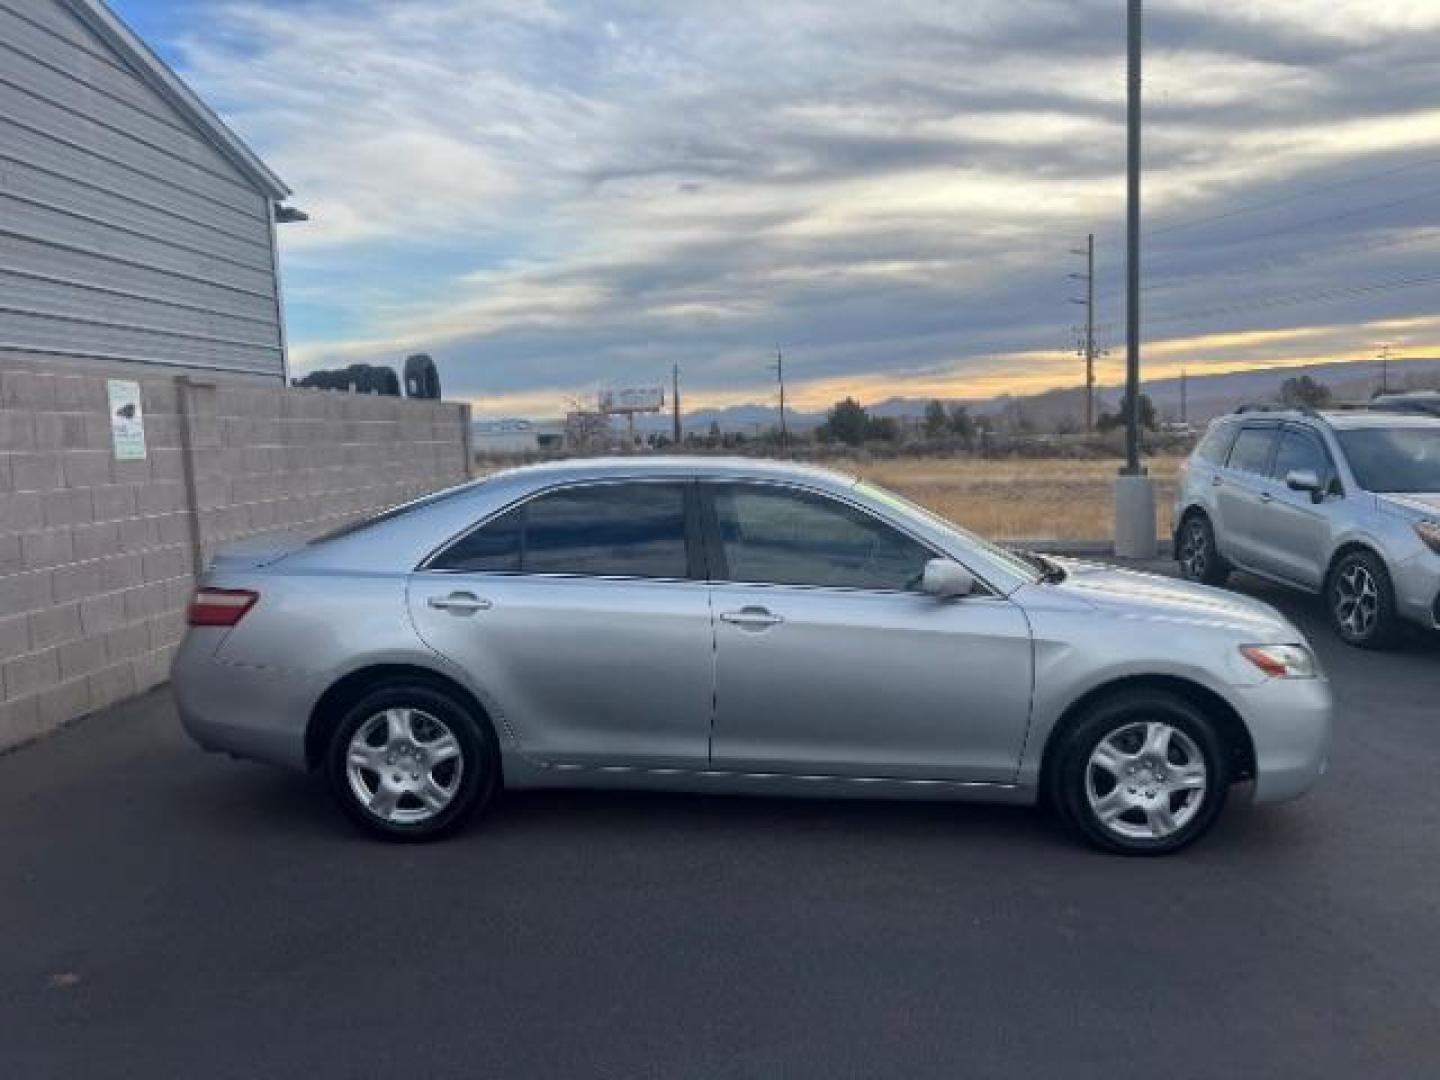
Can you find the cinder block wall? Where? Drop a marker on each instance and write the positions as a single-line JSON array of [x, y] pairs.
[[98, 556]]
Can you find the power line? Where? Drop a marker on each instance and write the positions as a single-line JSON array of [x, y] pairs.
[[1340, 293], [1294, 196]]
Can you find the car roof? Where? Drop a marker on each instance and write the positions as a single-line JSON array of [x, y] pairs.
[[671, 465], [1339, 419]]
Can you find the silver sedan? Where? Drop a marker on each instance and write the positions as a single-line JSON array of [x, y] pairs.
[[738, 626]]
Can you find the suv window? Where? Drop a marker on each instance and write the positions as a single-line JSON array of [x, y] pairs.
[[1299, 450], [1216, 444], [784, 537], [601, 530], [1251, 452]]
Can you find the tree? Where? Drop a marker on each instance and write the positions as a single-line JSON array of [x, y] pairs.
[[960, 422], [936, 422], [847, 422], [1311, 393], [883, 429], [1110, 421]]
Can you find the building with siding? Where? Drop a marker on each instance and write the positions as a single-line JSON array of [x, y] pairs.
[[135, 227]]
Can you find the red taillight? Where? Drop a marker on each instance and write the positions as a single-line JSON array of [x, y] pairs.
[[220, 607]]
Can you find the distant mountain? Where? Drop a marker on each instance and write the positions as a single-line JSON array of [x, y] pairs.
[[1206, 396]]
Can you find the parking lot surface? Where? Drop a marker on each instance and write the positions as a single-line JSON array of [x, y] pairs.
[[169, 913]]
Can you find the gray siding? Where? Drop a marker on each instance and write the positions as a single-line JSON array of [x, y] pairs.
[[124, 234]]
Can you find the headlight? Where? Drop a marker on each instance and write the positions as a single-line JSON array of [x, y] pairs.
[[1282, 661], [1429, 531]]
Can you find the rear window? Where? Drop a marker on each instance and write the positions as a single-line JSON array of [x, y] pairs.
[[434, 498], [1251, 452], [1216, 444]]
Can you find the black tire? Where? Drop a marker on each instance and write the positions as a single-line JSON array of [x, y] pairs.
[[1072, 776], [1195, 550], [431, 711], [1365, 621]]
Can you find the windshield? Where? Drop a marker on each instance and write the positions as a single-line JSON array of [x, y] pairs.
[[1012, 562], [1394, 459]]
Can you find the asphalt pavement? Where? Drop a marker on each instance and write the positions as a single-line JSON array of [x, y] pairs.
[[167, 913]]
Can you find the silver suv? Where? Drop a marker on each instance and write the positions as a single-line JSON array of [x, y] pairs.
[[1344, 504]]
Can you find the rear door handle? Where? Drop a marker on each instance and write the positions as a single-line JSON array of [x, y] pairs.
[[459, 603], [1216, 481], [755, 618], [1266, 497]]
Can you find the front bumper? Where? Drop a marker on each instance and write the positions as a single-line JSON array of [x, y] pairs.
[[1417, 588], [1290, 723], [248, 712]]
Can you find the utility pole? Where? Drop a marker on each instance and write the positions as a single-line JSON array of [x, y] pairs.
[[779, 368], [1384, 367], [1134, 491], [675, 399], [1184, 413], [1087, 347]]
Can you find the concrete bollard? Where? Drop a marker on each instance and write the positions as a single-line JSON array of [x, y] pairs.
[[1134, 517]]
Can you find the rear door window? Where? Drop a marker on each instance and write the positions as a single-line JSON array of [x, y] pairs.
[[1252, 450], [599, 530]]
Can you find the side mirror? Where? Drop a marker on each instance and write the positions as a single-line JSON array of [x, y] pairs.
[[945, 579], [1305, 480]]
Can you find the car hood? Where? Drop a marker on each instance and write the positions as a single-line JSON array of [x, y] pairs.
[[1132, 594], [1411, 504]]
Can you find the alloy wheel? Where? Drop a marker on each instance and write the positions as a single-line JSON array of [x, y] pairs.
[[404, 766], [1146, 781], [1356, 601], [1195, 550]]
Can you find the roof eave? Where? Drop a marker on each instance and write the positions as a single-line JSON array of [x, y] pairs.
[[107, 25]]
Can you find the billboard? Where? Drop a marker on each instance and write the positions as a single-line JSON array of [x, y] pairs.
[[632, 399]]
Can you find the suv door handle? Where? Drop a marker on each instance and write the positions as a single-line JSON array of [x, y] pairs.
[[1216, 481], [1266, 497], [460, 603], [756, 618]]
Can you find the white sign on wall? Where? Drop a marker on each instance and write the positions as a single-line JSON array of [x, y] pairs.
[[127, 422]]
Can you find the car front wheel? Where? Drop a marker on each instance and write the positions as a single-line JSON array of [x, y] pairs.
[[1361, 601], [411, 761], [1141, 773]]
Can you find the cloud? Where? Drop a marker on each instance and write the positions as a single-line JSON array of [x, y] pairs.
[[555, 196]]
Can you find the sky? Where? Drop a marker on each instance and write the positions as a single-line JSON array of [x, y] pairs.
[[552, 197]]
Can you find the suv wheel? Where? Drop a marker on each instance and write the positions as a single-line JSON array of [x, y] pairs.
[[1199, 558], [409, 761], [1361, 601], [1142, 773]]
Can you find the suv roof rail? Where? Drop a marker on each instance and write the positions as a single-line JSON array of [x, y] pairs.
[[1273, 407]]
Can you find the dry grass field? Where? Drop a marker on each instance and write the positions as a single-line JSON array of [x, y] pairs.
[[1021, 498]]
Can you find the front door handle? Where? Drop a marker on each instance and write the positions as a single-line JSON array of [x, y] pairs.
[[1266, 497], [752, 618], [1216, 481], [459, 603]]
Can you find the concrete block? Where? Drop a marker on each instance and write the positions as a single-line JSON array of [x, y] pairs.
[[111, 684], [113, 502], [27, 675], [19, 722], [152, 669], [12, 555], [49, 431], [21, 511], [29, 591], [67, 507], [73, 392], [72, 582], [162, 564], [17, 430], [143, 602], [50, 548], [75, 431], [95, 541], [61, 704], [128, 642], [28, 390], [14, 636], [36, 471], [79, 658], [7, 475], [57, 625], [88, 468], [130, 472], [121, 571], [161, 497], [102, 614], [165, 630]]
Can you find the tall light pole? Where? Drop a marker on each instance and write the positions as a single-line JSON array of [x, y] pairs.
[[675, 399], [1134, 493]]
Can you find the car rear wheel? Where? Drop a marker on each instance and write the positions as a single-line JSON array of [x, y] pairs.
[[411, 762], [1141, 773], [1361, 601], [1199, 559]]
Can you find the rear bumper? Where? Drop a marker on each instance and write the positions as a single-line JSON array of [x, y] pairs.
[[249, 712], [1290, 723]]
